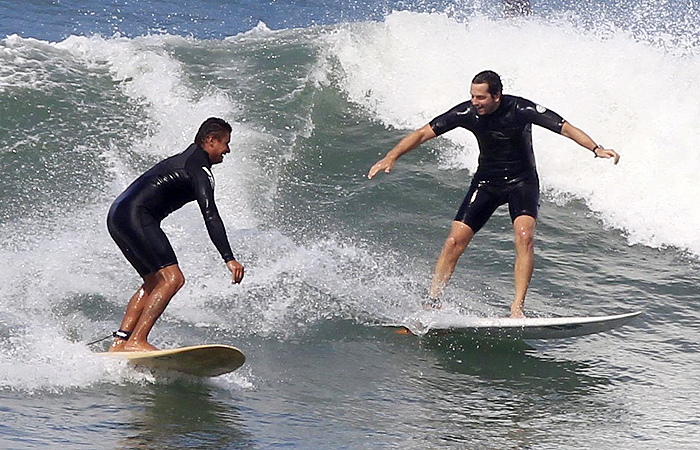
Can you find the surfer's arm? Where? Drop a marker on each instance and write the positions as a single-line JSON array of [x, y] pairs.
[[585, 141], [406, 144], [202, 184], [217, 232]]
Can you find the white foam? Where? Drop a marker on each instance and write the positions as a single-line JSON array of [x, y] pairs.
[[149, 74], [27, 63], [297, 286], [627, 94], [259, 30]]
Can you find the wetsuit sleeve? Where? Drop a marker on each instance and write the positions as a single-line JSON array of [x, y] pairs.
[[461, 115], [204, 193], [539, 115]]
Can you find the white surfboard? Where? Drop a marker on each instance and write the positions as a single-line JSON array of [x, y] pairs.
[[526, 328], [199, 360]]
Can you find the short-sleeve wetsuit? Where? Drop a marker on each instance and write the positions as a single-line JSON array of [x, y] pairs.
[[134, 219], [507, 171]]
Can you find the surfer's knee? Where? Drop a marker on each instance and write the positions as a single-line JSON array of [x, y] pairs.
[[172, 277], [524, 238], [456, 243], [177, 280], [460, 236], [524, 227]]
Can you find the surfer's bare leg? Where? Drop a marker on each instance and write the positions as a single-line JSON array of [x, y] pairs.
[[133, 310], [169, 280], [455, 244], [524, 228], [144, 310]]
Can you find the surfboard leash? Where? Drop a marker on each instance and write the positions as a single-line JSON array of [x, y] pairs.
[[99, 340], [121, 334]]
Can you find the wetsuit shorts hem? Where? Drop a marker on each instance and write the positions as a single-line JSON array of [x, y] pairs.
[[483, 198]]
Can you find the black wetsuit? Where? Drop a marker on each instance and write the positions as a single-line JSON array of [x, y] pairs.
[[134, 218], [507, 171]]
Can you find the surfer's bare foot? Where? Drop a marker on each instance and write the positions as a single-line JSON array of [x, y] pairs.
[[517, 313], [117, 345], [516, 309], [139, 347]]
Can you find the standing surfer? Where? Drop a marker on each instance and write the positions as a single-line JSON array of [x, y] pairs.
[[506, 173], [134, 224]]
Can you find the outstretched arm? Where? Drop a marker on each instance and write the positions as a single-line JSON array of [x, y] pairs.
[[406, 144], [584, 140]]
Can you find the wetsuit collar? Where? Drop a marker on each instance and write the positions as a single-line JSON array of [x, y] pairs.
[[199, 149]]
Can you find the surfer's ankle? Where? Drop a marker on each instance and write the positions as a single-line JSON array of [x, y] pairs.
[[517, 313], [117, 346], [517, 309]]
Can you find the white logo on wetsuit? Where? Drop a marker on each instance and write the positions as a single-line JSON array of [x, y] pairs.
[[210, 175], [540, 109]]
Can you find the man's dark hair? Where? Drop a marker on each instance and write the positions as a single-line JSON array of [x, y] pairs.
[[492, 79], [213, 126]]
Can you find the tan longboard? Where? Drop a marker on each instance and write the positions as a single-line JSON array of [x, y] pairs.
[[199, 360]]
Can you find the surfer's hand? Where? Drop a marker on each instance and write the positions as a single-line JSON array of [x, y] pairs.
[[385, 164], [601, 152], [236, 269]]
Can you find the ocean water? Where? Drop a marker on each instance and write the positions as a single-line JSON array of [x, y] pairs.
[[94, 93]]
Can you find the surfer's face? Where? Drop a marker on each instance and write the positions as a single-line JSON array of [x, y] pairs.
[[483, 101], [217, 148]]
